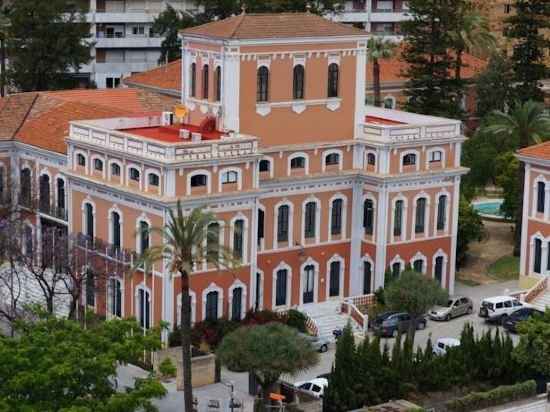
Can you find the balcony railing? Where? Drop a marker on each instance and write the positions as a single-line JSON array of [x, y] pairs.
[[53, 211], [106, 250]]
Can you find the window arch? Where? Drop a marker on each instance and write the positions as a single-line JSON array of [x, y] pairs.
[[265, 165], [311, 213], [419, 263], [440, 267], [80, 160], [212, 302], [398, 217], [44, 195], [153, 180], [397, 265], [115, 297], [115, 221], [193, 75], [337, 224], [441, 223], [238, 239], [205, 73], [298, 83], [333, 79], [368, 275], [60, 194], [409, 159], [371, 159], [198, 179], [237, 300], [26, 187], [218, 80], [420, 215], [541, 196], [134, 174], [309, 281], [298, 161], [389, 102], [283, 224], [230, 176], [282, 285], [115, 169], [332, 158], [144, 234], [335, 276], [262, 91], [98, 164], [89, 220]]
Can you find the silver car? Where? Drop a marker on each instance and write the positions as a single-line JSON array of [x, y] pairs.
[[456, 306], [320, 344]]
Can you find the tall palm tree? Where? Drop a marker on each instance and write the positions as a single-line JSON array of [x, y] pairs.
[[188, 241], [525, 124], [472, 34], [377, 49]]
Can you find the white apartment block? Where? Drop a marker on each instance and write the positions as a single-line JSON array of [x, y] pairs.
[[124, 42], [381, 17]]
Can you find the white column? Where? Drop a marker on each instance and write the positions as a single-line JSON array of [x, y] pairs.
[[544, 258], [356, 240], [231, 84], [546, 201], [454, 231], [382, 221], [253, 252], [360, 85], [523, 270]]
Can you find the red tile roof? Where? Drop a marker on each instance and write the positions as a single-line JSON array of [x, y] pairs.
[[42, 119], [166, 77], [540, 151], [272, 26]]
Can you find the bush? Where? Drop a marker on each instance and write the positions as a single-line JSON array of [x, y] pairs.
[[497, 396], [297, 320], [167, 369]]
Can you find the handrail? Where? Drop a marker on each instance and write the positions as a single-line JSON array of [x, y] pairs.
[[536, 290]]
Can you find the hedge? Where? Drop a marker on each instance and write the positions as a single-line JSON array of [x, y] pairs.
[[497, 396]]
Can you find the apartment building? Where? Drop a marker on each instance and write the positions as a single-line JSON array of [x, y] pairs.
[[380, 17], [318, 195], [123, 40]]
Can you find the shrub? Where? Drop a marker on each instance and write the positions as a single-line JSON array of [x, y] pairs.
[[167, 369], [497, 396], [297, 320]]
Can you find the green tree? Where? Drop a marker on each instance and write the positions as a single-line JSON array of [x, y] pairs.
[[470, 228], [507, 168], [47, 39], [533, 350], [53, 365], [430, 87], [167, 24], [525, 28], [4, 27], [188, 240], [414, 293], [494, 85], [378, 49], [525, 124], [268, 351]]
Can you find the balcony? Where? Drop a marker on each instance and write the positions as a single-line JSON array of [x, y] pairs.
[[106, 250], [56, 212], [127, 42], [118, 67]]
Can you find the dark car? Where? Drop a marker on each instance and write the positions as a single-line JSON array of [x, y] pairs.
[[511, 322], [391, 323]]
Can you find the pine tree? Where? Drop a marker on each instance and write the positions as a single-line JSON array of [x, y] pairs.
[[431, 88], [525, 30]]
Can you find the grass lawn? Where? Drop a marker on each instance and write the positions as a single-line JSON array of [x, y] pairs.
[[505, 268]]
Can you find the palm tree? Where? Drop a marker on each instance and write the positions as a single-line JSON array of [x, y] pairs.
[[378, 48], [525, 124], [472, 34], [4, 26], [188, 241]]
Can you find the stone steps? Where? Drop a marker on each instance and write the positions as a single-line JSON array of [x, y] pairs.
[[327, 317], [542, 301]]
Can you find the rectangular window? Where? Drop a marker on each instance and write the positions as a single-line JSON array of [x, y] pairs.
[[260, 225], [538, 256], [309, 219], [90, 289], [541, 188], [336, 217], [420, 215], [398, 218], [238, 236], [368, 217], [282, 223], [441, 212], [280, 287], [367, 277]]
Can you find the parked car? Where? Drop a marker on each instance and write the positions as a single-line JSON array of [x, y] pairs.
[[314, 387], [497, 308], [391, 323], [511, 322], [456, 306], [320, 344], [443, 344]]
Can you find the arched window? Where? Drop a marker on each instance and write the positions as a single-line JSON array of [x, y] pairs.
[[420, 215], [144, 308], [280, 287], [298, 162], [334, 279], [115, 297], [218, 83], [154, 180], [44, 194], [60, 197], [262, 91], [115, 169], [409, 159], [230, 176], [205, 82], [143, 236], [238, 239], [441, 212], [368, 216], [367, 277], [282, 223], [199, 180], [308, 292], [193, 74], [80, 160], [371, 159], [398, 218], [134, 174], [26, 187], [310, 219], [396, 270], [298, 82], [537, 264], [237, 304], [98, 165], [541, 189], [265, 165], [213, 241], [333, 74], [115, 228], [89, 220], [332, 159], [418, 265], [336, 217], [211, 307], [438, 269]]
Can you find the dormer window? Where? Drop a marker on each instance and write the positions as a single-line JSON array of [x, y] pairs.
[[134, 174], [262, 92], [436, 156], [298, 163], [198, 180], [409, 159], [80, 160]]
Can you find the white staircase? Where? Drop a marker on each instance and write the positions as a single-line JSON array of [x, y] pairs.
[[542, 300], [327, 317]]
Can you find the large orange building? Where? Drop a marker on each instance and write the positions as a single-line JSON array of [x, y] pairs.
[[319, 195]]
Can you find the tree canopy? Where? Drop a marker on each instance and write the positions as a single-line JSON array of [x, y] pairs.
[[55, 365], [167, 24], [533, 350], [46, 40]]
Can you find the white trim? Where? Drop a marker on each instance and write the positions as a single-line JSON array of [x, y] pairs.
[[282, 265], [367, 258], [540, 179], [340, 154], [155, 172], [120, 165], [423, 258], [406, 152], [284, 202], [213, 287], [397, 259], [317, 219], [271, 165], [341, 260], [294, 156], [225, 170], [343, 229], [196, 173], [237, 283], [315, 265], [95, 157]]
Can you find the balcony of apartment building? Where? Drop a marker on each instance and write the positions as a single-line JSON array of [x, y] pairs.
[[111, 61], [133, 11], [390, 30], [362, 11], [114, 36]]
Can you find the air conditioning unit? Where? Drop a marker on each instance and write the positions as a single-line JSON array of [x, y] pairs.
[[184, 134], [167, 119], [196, 137]]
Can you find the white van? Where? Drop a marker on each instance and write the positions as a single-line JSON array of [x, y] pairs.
[[497, 308], [444, 344]]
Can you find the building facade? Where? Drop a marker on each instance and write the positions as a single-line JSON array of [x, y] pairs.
[[318, 195]]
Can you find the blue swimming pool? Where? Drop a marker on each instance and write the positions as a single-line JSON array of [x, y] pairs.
[[489, 207]]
